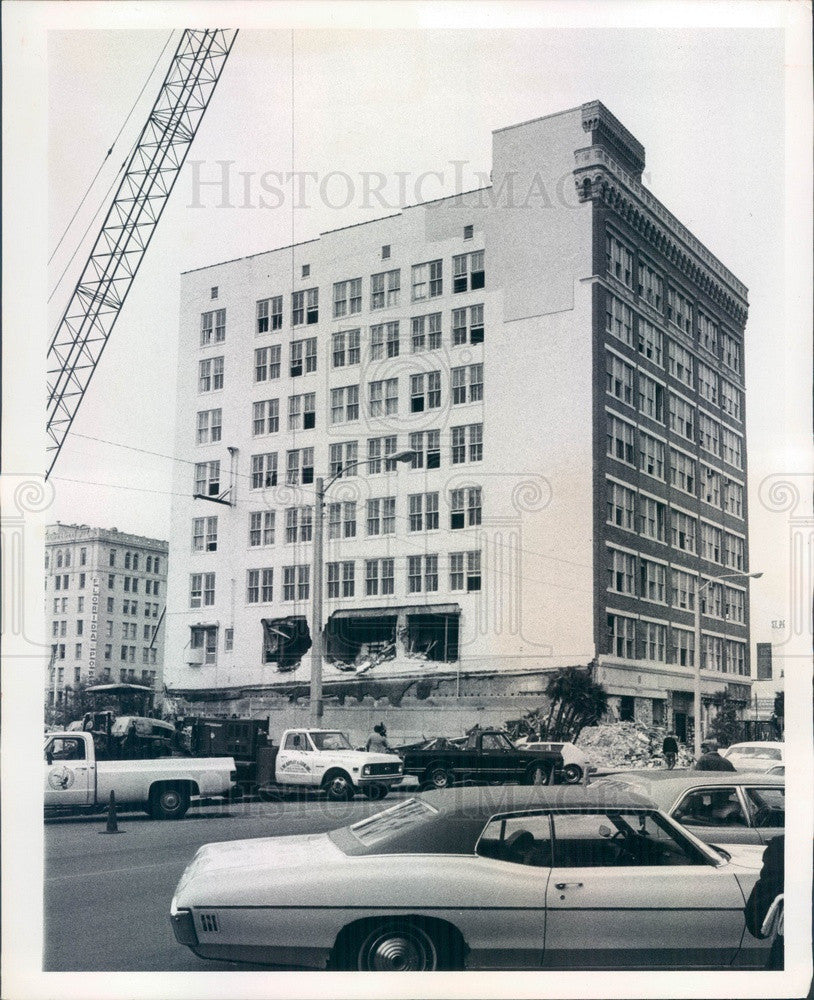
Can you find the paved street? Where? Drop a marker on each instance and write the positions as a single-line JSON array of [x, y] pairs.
[[107, 896]]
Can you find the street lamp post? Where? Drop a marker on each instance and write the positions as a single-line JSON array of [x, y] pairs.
[[317, 645], [697, 650]]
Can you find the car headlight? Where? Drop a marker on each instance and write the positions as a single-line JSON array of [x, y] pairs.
[[400, 767], [366, 769]]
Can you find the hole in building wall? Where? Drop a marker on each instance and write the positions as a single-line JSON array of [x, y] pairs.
[[285, 641]]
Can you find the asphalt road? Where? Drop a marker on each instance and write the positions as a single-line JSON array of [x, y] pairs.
[[107, 896]]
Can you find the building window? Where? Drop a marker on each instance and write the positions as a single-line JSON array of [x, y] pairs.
[[213, 327], [345, 348], [684, 588], [709, 434], [383, 397], [465, 507], [733, 447], [341, 579], [210, 374], [305, 307], [296, 583], [306, 270], [735, 605], [652, 581], [204, 534], [260, 586], [425, 392], [205, 637], [654, 639], [267, 361], [707, 384], [731, 352], [379, 451], [710, 486], [428, 280], [381, 516], [707, 333], [384, 341], [426, 332], [265, 417], [465, 571], [734, 552], [619, 378], [468, 271], [261, 528], [683, 528], [270, 314], [342, 519], [469, 232], [384, 289], [621, 508], [343, 457], [467, 384], [426, 449], [422, 574], [621, 572], [386, 251], [679, 310], [379, 577], [207, 478], [112, 557], [209, 426], [345, 404], [684, 647], [300, 466], [620, 440], [467, 324], [733, 493], [619, 320], [679, 363], [731, 400], [650, 342], [621, 636], [202, 590], [460, 434], [423, 512], [651, 456], [736, 657], [682, 417], [651, 398], [303, 356], [651, 286], [347, 297], [682, 471], [264, 470], [299, 524], [653, 518], [302, 412], [619, 260]]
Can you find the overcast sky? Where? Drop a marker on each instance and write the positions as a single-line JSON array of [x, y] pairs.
[[708, 105]]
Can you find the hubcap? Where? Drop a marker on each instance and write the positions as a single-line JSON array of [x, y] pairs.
[[396, 953], [339, 786], [440, 779], [170, 800]]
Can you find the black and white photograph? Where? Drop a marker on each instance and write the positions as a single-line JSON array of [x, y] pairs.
[[404, 576]]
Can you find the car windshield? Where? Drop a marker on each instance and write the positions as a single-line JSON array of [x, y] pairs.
[[396, 819], [331, 741], [768, 753]]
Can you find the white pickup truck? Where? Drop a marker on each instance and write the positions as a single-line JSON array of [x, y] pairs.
[[75, 779], [324, 758]]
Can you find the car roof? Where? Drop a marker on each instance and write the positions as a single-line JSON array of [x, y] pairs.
[[769, 744], [664, 786]]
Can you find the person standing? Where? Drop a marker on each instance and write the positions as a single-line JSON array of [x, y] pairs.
[[378, 741], [711, 760], [669, 749], [766, 894]]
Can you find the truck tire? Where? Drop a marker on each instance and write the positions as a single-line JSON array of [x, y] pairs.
[[572, 774], [438, 776], [168, 801], [338, 786]]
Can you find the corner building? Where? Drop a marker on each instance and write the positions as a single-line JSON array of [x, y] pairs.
[[565, 361]]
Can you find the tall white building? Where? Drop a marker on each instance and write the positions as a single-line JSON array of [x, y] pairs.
[[565, 360]]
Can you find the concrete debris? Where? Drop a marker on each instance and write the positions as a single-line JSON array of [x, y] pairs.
[[628, 745]]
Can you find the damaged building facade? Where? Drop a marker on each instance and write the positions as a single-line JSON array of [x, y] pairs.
[[563, 360]]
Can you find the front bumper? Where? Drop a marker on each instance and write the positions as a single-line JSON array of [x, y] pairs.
[[183, 925]]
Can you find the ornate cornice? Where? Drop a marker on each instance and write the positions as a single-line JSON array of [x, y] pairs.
[[599, 177], [607, 130]]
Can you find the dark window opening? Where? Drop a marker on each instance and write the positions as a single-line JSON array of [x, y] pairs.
[[361, 643], [469, 232], [434, 458], [309, 420], [626, 708], [459, 283], [432, 637], [478, 279], [417, 404], [476, 335], [306, 270], [285, 641], [385, 251]]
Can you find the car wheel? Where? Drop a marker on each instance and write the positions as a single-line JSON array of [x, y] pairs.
[[572, 774], [169, 802], [538, 775], [397, 946], [338, 787], [375, 792], [439, 777]]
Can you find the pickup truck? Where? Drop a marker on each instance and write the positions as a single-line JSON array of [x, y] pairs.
[[487, 756], [324, 759], [75, 778]]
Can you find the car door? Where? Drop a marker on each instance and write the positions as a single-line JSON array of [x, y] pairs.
[[627, 891], [767, 809], [716, 814], [68, 772], [295, 760], [496, 758]]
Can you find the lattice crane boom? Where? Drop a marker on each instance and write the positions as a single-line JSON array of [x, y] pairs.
[[140, 199]]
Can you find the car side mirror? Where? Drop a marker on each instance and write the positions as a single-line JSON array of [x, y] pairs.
[[605, 831]]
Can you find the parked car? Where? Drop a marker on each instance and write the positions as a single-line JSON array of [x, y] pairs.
[[720, 807], [575, 762], [778, 770], [756, 756], [483, 877]]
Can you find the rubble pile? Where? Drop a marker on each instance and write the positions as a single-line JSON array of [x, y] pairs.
[[628, 745]]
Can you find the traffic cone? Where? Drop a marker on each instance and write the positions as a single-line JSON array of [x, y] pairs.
[[112, 825]]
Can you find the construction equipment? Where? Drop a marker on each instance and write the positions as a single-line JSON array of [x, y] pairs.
[[140, 199]]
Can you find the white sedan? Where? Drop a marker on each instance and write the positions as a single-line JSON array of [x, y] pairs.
[[575, 762], [755, 756], [480, 878]]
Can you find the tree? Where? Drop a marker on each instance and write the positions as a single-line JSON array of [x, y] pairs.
[[726, 726], [575, 701]]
